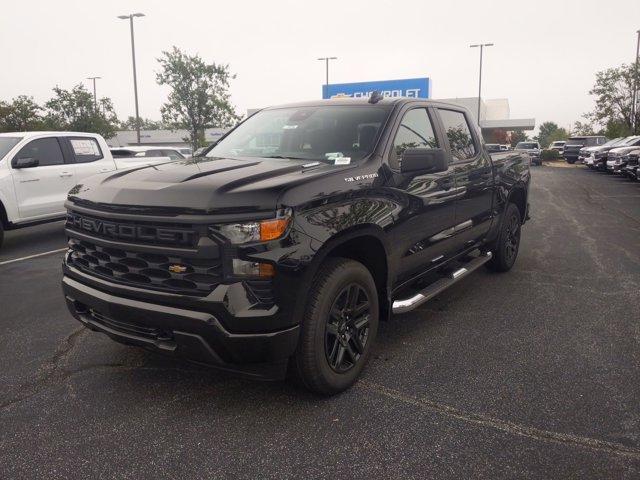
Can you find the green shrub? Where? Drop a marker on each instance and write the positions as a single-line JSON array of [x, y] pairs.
[[550, 155]]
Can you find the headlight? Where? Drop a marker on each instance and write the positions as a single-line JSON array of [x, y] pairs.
[[261, 231]]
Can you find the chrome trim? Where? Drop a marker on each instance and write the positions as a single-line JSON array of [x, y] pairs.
[[408, 304]]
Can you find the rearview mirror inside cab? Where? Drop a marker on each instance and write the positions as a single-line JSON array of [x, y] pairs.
[[427, 160], [25, 162]]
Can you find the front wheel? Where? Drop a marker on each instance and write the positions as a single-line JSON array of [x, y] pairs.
[[338, 328], [506, 247], [571, 160]]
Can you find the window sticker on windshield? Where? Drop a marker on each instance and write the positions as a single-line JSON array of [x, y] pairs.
[[85, 147], [289, 127], [342, 161], [333, 155]]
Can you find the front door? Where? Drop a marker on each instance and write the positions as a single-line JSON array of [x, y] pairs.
[[420, 239], [41, 190]]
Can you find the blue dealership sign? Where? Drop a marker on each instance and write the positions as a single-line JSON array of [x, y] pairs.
[[408, 87]]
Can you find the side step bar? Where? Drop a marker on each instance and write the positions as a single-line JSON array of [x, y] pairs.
[[408, 304]]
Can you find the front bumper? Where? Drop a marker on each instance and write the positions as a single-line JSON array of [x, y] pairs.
[[192, 334]]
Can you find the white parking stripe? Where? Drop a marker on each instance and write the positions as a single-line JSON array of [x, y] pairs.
[[32, 256]]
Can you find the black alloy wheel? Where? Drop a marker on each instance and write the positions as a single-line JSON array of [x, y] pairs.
[[347, 329]]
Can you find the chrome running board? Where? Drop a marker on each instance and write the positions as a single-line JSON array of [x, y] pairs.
[[408, 304]]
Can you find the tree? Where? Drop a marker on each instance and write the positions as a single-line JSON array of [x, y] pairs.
[[499, 136], [74, 110], [145, 124], [22, 114], [582, 128], [199, 94], [518, 136], [550, 132], [614, 97]]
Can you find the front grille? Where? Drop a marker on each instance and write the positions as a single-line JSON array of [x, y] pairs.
[[633, 160], [189, 276], [145, 233], [129, 328]]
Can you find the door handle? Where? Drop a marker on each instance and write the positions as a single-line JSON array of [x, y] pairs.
[[105, 170], [66, 174]]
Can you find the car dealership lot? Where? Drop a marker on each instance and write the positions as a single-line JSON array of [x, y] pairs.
[[532, 374]]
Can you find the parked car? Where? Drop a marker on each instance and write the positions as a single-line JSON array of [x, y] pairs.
[[37, 169], [493, 147], [504, 148], [598, 157], [147, 151], [585, 153], [533, 149], [574, 144], [631, 169], [617, 157], [558, 146], [299, 231]]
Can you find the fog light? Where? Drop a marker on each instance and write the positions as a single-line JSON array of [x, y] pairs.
[[252, 269]]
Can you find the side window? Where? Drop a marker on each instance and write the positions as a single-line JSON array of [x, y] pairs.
[[172, 154], [85, 149], [459, 134], [46, 150], [154, 153], [415, 131]]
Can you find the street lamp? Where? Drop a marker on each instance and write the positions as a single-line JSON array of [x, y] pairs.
[[133, 57], [481, 45], [95, 98], [326, 63]]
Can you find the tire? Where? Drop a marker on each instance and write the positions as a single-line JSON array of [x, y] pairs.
[[1, 233], [335, 344], [571, 160], [506, 246]]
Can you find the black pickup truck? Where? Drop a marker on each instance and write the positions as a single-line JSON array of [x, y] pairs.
[[284, 246]]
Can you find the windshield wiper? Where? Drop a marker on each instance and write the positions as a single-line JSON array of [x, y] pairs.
[[282, 157]]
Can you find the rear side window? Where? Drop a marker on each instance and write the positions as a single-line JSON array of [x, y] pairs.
[[459, 134], [46, 150], [415, 131], [85, 149], [172, 154], [154, 153]]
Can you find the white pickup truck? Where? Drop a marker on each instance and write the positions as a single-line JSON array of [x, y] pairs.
[[37, 169]]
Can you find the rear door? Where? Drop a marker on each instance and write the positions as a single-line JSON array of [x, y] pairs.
[[88, 157], [422, 239], [42, 190], [473, 177]]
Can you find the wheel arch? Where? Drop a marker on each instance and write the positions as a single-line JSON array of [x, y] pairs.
[[364, 244]]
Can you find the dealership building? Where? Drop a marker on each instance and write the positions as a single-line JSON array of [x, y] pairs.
[[495, 115]]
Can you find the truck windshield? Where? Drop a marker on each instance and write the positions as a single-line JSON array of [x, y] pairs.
[[526, 146], [6, 144], [330, 133]]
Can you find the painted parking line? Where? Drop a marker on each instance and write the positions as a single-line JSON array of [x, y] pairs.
[[13, 260]]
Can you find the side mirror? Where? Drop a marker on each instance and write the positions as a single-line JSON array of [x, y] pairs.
[[25, 162], [427, 160]]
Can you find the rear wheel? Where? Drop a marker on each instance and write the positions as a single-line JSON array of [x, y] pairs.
[[1, 233], [506, 247], [338, 329]]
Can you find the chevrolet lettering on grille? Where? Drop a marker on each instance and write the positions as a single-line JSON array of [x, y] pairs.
[[130, 232]]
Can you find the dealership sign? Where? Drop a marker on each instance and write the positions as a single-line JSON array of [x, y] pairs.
[[408, 87]]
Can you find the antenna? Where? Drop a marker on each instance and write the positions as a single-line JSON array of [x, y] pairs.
[[375, 97]]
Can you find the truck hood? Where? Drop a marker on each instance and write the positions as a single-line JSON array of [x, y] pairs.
[[208, 185]]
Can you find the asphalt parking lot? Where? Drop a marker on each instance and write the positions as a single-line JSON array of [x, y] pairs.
[[530, 374]]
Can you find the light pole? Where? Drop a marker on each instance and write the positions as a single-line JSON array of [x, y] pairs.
[[95, 97], [481, 45], [326, 67], [634, 107], [133, 57]]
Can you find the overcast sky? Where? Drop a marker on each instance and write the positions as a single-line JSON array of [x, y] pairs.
[[544, 59]]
